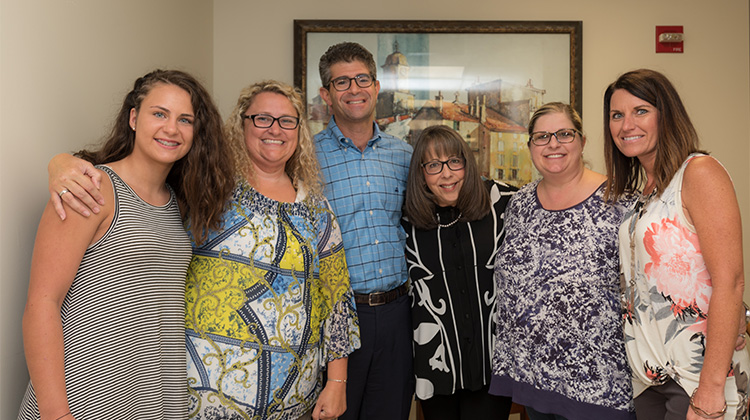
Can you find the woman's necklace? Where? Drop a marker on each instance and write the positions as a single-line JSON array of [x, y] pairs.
[[448, 224], [638, 211]]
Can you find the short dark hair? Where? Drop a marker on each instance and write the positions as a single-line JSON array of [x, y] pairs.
[[345, 52], [677, 137], [473, 199]]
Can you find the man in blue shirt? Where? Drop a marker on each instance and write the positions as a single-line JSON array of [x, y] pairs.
[[365, 173]]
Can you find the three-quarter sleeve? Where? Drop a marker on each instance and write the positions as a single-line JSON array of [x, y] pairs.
[[341, 327]]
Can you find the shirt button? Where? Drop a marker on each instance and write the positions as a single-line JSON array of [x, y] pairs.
[[466, 316], [368, 183], [370, 212], [377, 241], [380, 271]]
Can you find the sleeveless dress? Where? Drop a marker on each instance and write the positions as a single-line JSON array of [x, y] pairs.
[[123, 317], [667, 311], [559, 346], [268, 305]]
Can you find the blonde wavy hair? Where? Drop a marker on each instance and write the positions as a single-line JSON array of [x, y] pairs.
[[302, 167]]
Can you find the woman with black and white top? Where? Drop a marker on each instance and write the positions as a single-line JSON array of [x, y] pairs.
[[454, 223]]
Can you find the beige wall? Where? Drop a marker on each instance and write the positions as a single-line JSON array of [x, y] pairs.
[[64, 66]]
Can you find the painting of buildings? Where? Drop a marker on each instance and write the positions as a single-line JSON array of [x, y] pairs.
[[490, 110]]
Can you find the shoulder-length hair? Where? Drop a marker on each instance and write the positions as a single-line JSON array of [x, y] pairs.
[[473, 199], [676, 137], [204, 178], [302, 167]]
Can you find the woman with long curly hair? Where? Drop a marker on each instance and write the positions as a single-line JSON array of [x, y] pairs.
[[269, 304], [104, 321]]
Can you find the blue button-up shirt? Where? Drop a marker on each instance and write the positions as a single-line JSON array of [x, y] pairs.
[[366, 190]]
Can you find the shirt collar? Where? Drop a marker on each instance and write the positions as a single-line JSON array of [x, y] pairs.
[[345, 141]]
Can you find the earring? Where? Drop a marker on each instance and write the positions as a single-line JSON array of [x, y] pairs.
[[133, 127]]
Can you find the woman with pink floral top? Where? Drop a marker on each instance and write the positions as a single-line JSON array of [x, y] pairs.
[[680, 253]]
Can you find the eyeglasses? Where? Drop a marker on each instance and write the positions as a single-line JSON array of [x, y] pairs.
[[541, 138], [266, 121], [343, 83], [435, 167]]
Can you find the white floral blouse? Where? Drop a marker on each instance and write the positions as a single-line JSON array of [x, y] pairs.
[[667, 301]]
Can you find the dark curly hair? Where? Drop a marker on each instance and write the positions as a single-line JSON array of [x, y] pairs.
[[204, 178]]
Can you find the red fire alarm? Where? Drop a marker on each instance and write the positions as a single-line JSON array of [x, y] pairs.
[[669, 39]]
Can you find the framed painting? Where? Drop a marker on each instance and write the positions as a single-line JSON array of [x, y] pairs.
[[482, 78]]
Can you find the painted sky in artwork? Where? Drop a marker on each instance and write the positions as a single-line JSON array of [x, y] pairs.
[[451, 63]]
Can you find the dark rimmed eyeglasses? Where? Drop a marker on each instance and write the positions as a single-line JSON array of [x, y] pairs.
[[265, 121], [434, 167], [542, 138], [343, 83]]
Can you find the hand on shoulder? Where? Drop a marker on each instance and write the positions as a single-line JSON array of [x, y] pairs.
[[75, 182]]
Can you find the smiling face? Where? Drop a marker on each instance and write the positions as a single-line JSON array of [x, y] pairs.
[[270, 148], [163, 125], [634, 125], [445, 185], [555, 158], [356, 104]]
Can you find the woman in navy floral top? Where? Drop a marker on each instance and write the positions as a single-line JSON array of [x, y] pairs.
[[559, 348]]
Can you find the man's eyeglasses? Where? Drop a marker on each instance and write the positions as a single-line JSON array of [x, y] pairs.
[[343, 83], [542, 138], [435, 167], [265, 121]]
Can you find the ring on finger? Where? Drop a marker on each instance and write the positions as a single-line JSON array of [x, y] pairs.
[[65, 190]]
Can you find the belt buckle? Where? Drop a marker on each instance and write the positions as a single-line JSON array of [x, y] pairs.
[[369, 299]]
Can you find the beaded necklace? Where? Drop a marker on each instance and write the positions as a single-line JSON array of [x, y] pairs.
[[448, 224]]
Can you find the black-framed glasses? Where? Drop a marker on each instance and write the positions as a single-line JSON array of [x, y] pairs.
[[434, 167], [265, 121], [542, 138], [343, 83]]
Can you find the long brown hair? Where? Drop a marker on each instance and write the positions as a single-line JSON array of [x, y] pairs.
[[676, 137], [473, 199], [204, 178]]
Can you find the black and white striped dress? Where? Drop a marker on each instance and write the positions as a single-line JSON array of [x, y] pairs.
[[124, 315]]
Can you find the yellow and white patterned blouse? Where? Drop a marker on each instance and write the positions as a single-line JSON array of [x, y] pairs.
[[268, 304]]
